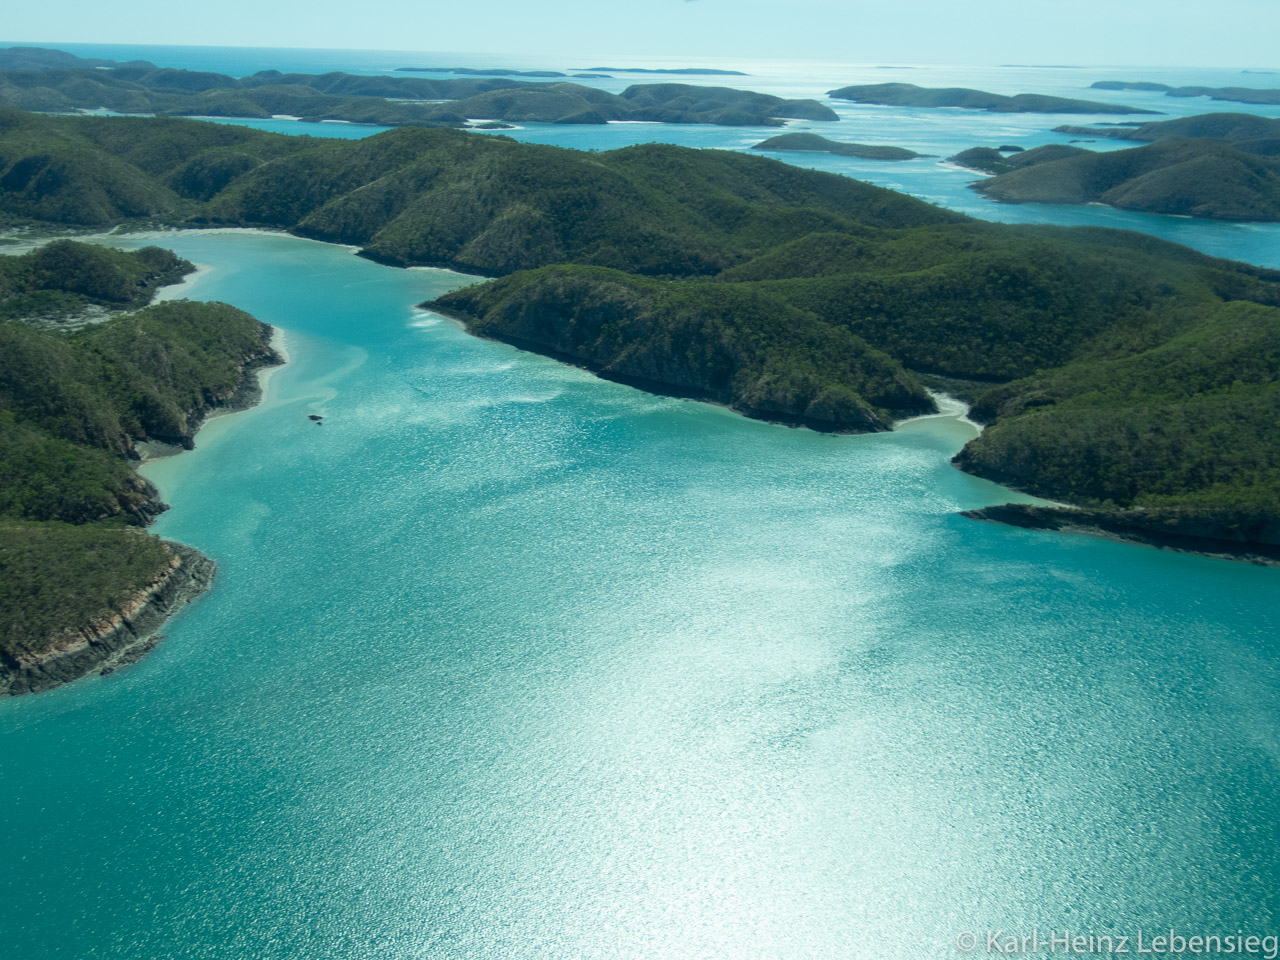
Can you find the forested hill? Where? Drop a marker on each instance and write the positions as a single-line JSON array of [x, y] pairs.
[[483, 204], [1196, 178], [65, 282], [73, 406], [1248, 131], [788, 293], [910, 95]]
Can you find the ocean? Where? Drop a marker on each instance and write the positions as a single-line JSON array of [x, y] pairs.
[[506, 661]]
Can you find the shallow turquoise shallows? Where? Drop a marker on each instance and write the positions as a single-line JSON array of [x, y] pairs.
[[506, 661]]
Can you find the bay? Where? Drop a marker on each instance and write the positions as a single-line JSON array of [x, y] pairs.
[[507, 661]]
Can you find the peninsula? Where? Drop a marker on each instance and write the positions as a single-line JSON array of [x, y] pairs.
[[83, 383], [1247, 131], [994, 160], [45, 58]]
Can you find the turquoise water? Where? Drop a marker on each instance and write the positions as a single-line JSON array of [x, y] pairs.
[[504, 661], [507, 661]]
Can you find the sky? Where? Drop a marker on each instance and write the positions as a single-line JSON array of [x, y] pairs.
[[1226, 33]]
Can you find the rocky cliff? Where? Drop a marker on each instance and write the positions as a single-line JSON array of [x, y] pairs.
[[116, 637]]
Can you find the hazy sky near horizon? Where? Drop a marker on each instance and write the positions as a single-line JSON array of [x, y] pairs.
[[1228, 33]]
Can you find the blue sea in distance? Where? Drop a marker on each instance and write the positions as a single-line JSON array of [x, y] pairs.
[[506, 661]]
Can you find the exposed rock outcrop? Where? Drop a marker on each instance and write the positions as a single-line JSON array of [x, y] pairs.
[[120, 637]]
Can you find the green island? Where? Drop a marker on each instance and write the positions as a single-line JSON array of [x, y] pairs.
[[1210, 179], [813, 143], [1232, 94], [910, 95], [83, 384], [1247, 131], [46, 58], [141, 88], [675, 71], [1114, 371]]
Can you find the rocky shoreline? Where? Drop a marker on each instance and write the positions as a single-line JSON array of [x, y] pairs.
[[1189, 535], [117, 639]]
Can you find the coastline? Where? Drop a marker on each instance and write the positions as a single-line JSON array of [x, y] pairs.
[[660, 388], [1048, 515], [252, 389], [119, 637], [180, 290], [949, 408], [1065, 517], [1128, 527]]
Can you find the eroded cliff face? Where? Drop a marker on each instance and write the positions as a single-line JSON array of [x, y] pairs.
[[115, 638]]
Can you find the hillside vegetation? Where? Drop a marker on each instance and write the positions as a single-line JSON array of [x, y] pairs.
[[73, 407], [910, 95], [390, 101], [63, 279], [811, 142], [731, 343], [790, 294], [1194, 178]]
